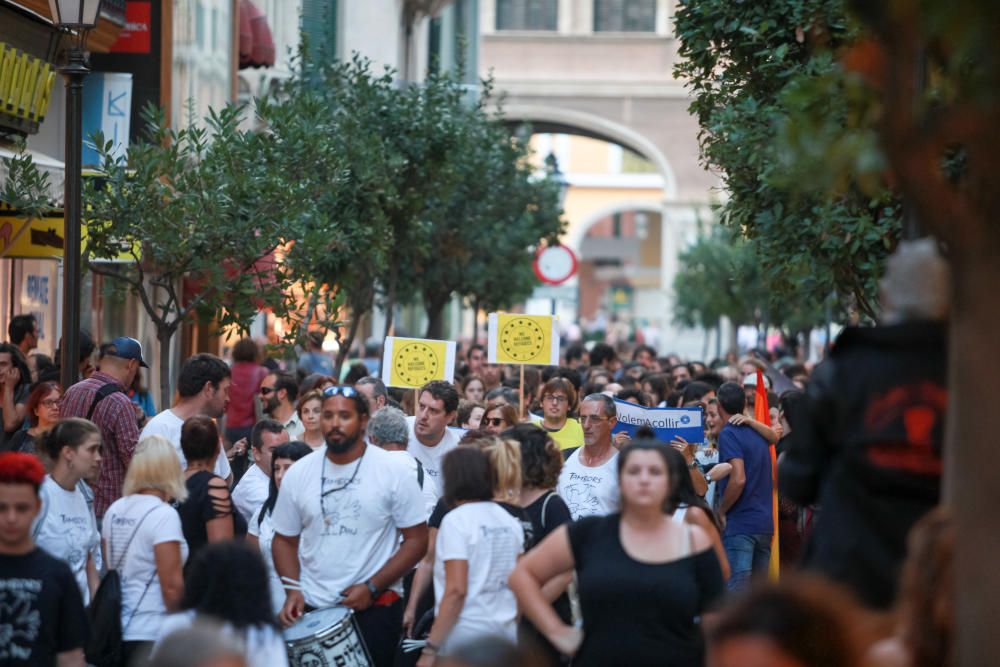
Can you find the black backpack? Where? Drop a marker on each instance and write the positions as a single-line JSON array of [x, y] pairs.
[[105, 648]]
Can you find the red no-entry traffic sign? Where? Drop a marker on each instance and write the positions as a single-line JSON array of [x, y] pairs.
[[555, 264]]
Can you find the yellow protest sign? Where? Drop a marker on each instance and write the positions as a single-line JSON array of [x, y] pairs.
[[523, 339], [410, 363]]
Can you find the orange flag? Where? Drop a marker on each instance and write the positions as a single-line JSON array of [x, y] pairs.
[[762, 413]]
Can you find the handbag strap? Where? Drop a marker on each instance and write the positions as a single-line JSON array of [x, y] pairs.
[[545, 505]]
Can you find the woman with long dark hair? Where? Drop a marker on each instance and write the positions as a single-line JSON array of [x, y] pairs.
[[644, 580], [260, 532], [692, 509], [228, 582]]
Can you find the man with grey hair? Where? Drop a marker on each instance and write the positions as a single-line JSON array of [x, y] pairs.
[[374, 392], [589, 479], [866, 443], [389, 430]]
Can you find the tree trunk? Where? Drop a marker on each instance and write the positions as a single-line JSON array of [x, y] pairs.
[[163, 335], [435, 317], [390, 306], [345, 345], [475, 321], [969, 485]]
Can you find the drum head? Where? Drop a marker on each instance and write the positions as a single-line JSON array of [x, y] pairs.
[[315, 622]]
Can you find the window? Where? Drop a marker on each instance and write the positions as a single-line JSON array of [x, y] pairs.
[[527, 14], [624, 15]]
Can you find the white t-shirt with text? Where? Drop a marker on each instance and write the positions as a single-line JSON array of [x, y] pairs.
[[348, 535], [589, 491], [251, 491], [142, 608], [430, 458], [66, 528], [169, 425], [490, 540]]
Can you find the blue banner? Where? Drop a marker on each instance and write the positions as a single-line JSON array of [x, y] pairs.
[[667, 423]]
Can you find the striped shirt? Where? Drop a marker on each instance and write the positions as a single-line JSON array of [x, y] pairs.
[[115, 416]]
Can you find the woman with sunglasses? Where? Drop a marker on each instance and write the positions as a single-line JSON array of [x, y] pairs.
[[498, 418], [42, 407]]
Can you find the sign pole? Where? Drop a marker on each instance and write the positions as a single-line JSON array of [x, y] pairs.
[[520, 386]]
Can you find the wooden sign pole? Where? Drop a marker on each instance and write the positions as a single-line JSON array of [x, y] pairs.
[[520, 386]]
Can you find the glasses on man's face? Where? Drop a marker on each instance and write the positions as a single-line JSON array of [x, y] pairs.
[[265, 391], [347, 392], [492, 421], [554, 398], [589, 419]]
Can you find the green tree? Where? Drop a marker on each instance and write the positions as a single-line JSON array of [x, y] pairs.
[[754, 69], [327, 134], [486, 227], [721, 275], [199, 215]]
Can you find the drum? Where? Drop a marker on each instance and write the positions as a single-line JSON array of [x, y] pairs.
[[326, 638]]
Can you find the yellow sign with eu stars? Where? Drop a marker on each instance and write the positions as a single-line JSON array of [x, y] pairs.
[[410, 363], [523, 339]]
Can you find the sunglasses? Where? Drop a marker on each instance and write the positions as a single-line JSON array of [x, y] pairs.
[[492, 421], [264, 391], [347, 392]]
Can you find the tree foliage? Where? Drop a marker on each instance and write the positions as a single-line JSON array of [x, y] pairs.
[[721, 275], [759, 73], [198, 216], [413, 193]]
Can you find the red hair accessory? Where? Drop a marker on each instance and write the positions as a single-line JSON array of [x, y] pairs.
[[21, 468]]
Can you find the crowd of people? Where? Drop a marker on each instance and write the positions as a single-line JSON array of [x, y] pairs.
[[479, 521]]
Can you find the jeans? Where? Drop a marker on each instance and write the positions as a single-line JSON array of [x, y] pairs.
[[748, 556]]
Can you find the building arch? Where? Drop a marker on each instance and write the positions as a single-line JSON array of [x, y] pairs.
[[570, 121], [576, 233]]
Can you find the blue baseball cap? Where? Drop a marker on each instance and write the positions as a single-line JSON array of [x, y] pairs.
[[124, 347]]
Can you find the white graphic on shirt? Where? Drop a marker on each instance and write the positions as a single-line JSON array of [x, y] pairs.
[[341, 510], [19, 619], [580, 494]]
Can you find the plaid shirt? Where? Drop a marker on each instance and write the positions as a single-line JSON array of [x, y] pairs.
[[115, 416]]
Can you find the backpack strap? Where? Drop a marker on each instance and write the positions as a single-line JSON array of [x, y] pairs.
[[102, 393]]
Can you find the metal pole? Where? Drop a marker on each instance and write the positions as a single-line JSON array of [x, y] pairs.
[[74, 71]]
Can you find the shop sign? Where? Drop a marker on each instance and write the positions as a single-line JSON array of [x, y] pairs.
[[25, 86], [43, 237]]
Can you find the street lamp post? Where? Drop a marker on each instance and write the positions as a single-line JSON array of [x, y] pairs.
[[76, 18]]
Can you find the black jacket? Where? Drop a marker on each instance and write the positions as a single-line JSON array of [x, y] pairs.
[[866, 446]]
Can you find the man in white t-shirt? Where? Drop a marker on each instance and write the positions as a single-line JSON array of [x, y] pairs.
[[589, 479], [388, 429], [255, 485], [338, 522], [203, 387], [430, 438]]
